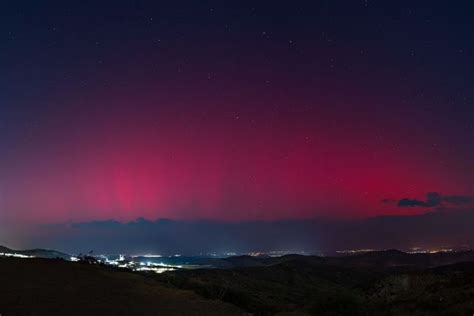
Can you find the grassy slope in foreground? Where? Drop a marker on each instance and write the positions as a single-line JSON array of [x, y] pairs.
[[55, 287]]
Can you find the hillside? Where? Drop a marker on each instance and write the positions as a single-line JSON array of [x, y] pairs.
[[38, 253], [57, 287], [375, 259], [378, 283]]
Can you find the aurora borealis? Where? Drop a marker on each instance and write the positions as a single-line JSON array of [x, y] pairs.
[[232, 111]]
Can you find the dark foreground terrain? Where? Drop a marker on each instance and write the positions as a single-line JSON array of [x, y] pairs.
[[378, 283], [57, 287]]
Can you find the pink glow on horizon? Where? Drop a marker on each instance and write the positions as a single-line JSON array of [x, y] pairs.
[[232, 167]]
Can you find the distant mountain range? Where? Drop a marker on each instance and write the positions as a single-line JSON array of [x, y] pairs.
[[38, 253], [374, 259]]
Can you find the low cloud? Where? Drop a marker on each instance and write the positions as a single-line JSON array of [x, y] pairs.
[[439, 227], [435, 199], [405, 202]]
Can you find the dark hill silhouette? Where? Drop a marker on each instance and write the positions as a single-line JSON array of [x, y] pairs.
[[5, 249], [58, 287], [374, 283], [39, 253], [395, 258], [374, 259]]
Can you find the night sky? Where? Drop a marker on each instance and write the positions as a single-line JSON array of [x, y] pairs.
[[234, 111]]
